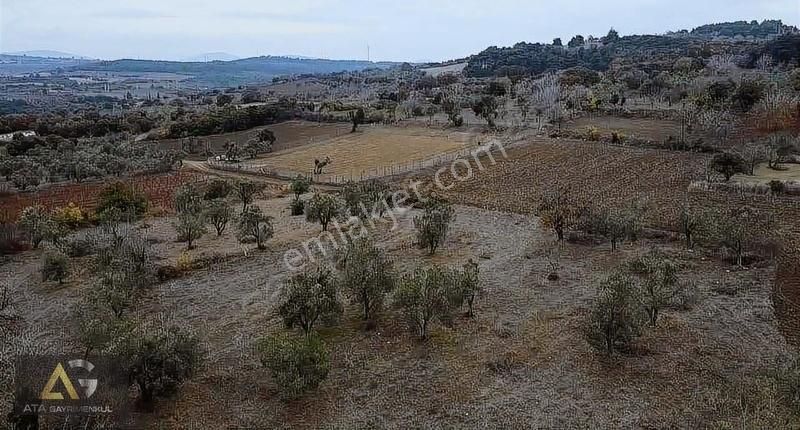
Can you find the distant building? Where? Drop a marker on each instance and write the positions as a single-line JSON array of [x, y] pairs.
[[8, 137]]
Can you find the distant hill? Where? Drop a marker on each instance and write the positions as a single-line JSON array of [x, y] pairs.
[[754, 29], [211, 56], [47, 54], [237, 72]]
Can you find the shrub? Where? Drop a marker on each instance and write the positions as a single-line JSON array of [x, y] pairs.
[[425, 296], [246, 191], [616, 316], [218, 189], [131, 203], [366, 274], [78, 247], [253, 224], [299, 186], [432, 226], [297, 207], [219, 213], [323, 208], [160, 361], [55, 267], [728, 164], [298, 365], [617, 137], [593, 134], [777, 187], [307, 297], [184, 262], [559, 211], [70, 216], [37, 224], [11, 239]]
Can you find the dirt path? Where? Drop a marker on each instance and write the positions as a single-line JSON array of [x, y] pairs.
[[275, 183]]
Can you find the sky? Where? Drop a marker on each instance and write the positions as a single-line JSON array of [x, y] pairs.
[[401, 30]]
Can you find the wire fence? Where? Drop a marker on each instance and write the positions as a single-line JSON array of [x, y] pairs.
[[355, 176]]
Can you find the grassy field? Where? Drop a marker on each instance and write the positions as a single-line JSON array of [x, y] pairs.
[[370, 148]]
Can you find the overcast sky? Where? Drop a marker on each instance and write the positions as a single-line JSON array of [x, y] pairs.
[[402, 30]]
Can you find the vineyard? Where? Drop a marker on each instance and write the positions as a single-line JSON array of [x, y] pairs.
[[158, 188]]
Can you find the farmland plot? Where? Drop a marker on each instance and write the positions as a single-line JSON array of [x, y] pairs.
[[374, 148]]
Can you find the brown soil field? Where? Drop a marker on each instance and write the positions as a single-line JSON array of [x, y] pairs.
[[521, 362], [374, 147], [290, 134], [763, 174], [595, 172], [654, 130]]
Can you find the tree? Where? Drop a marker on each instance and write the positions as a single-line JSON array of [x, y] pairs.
[[467, 286], [255, 225], [451, 104], [219, 213], [616, 224], [130, 202], [253, 147], [309, 296], [611, 37], [357, 118], [433, 224], [25, 178], [37, 224], [557, 42], [728, 164], [739, 228], [323, 208], [559, 211], [658, 281], [576, 42], [188, 199], [267, 136], [487, 108], [224, 99], [217, 189], [299, 186], [190, 227], [160, 361], [99, 329], [55, 267], [692, 221], [616, 317], [297, 365], [366, 274], [425, 296], [246, 191]]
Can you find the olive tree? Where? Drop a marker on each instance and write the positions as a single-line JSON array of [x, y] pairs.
[[190, 227], [559, 211], [219, 213], [433, 224], [299, 186], [366, 275], [246, 191], [323, 208], [255, 225], [425, 296], [616, 317], [467, 286], [740, 228], [297, 365], [692, 222], [309, 296], [160, 360], [658, 283]]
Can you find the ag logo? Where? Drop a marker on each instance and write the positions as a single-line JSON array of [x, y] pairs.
[[89, 385]]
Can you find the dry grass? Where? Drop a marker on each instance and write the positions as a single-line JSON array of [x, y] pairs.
[[763, 174], [373, 147]]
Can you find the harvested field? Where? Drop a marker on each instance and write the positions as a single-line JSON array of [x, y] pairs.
[[654, 130], [373, 148], [596, 173], [290, 134]]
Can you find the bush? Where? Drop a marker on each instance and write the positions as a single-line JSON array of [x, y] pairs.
[[466, 286], [728, 164], [308, 297], [78, 247], [55, 267], [39, 225], [218, 189], [433, 224], [777, 187], [616, 316], [297, 365], [425, 296], [122, 197], [160, 361], [190, 227], [593, 134], [70, 216], [297, 207], [188, 200]]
